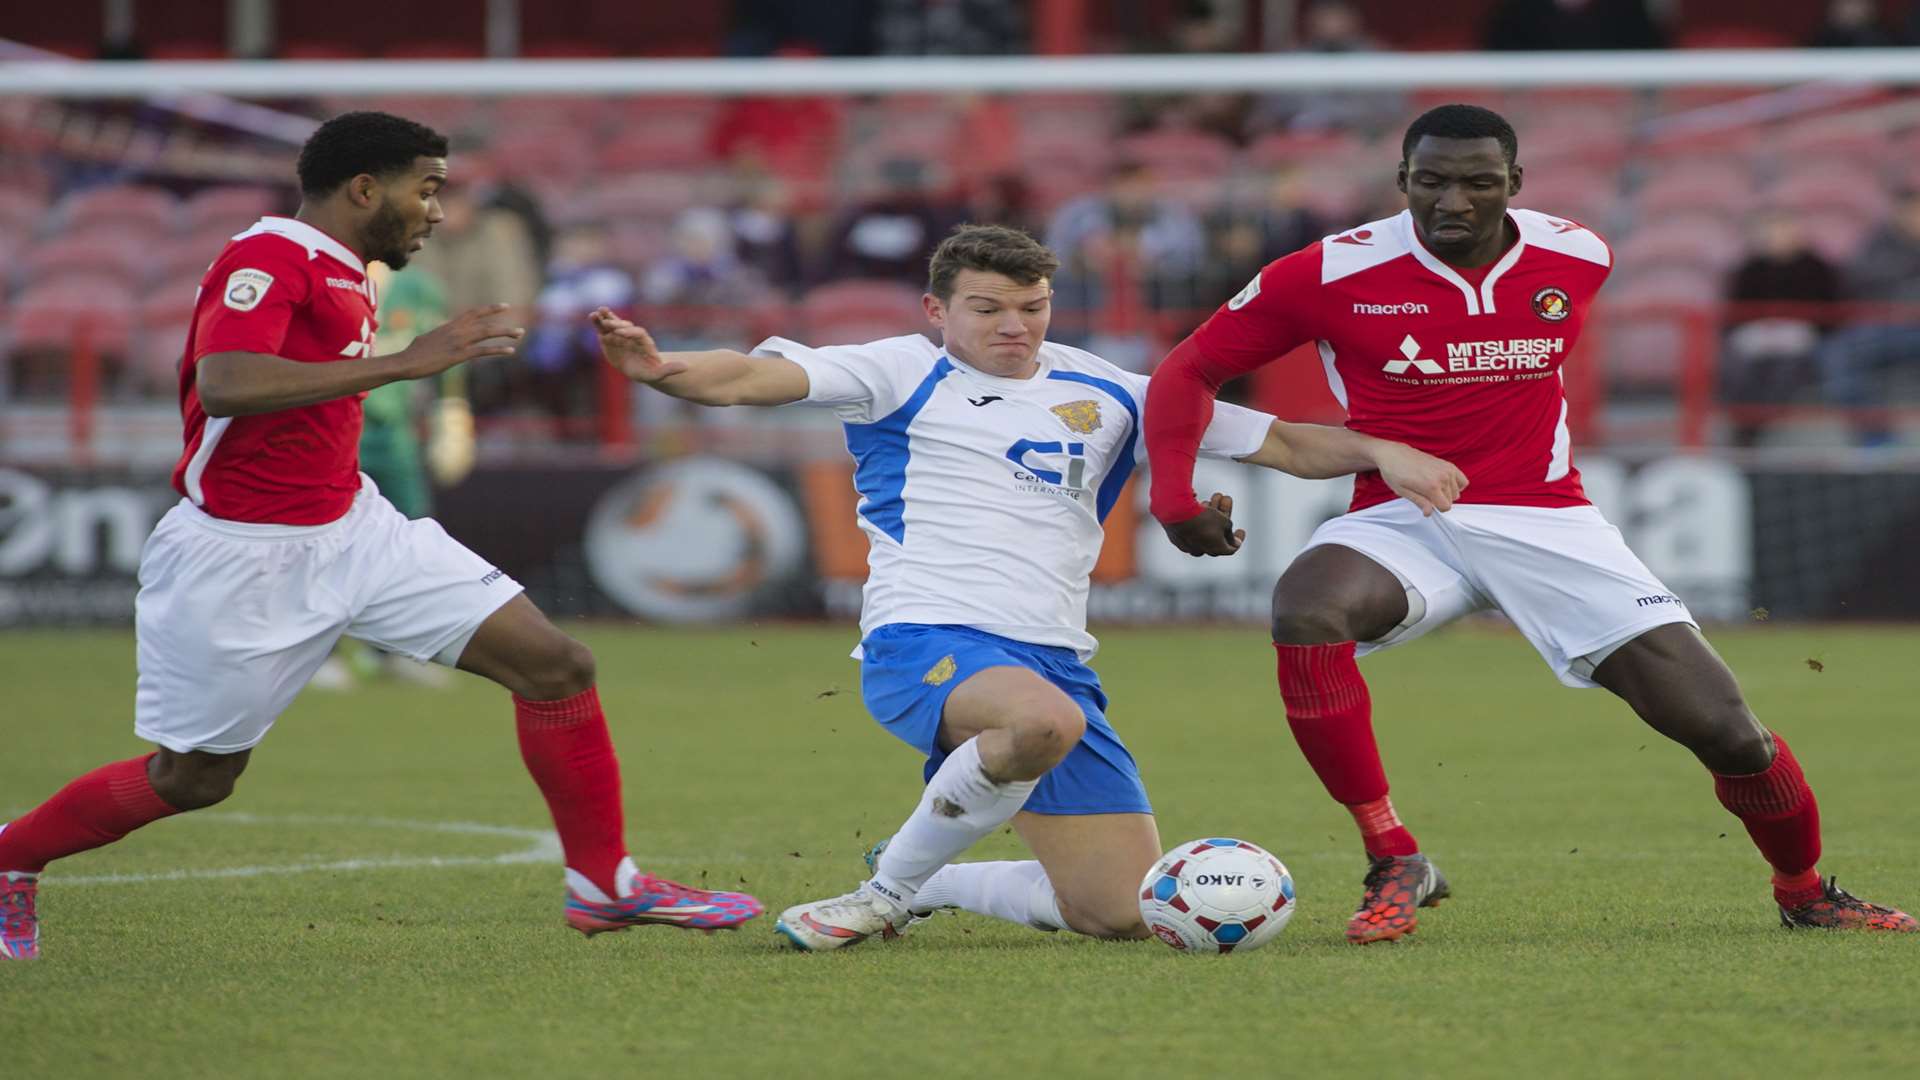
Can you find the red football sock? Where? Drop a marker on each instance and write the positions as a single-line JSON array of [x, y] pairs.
[[1780, 813], [567, 749], [92, 811], [1331, 715]]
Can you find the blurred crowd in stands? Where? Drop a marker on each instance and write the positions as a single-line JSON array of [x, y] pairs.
[[1769, 238]]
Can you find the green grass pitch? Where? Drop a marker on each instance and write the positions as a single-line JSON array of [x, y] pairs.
[[1609, 918]]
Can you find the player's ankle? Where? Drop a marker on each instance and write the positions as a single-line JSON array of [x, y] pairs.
[[1793, 890]]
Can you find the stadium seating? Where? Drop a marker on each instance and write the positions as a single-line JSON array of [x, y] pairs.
[[850, 311]]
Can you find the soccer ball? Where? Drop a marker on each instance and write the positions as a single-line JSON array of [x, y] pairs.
[[1217, 896]]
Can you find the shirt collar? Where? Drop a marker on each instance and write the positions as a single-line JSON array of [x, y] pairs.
[[307, 237]]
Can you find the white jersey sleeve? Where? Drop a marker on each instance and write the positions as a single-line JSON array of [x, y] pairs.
[[861, 383]]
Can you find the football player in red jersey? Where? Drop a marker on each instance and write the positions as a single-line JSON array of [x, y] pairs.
[[279, 545], [1445, 327]]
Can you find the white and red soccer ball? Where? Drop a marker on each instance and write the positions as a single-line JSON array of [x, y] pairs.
[[1218, 895]]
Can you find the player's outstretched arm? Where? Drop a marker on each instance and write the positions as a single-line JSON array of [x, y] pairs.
[[710, 377], [244, 384], [1314, 451]]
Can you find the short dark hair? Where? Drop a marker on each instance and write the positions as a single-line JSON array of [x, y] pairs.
[[993, 249], [1462, 122], [376, 143]]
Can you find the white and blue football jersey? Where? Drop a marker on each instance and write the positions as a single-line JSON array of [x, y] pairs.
[[982, 497]]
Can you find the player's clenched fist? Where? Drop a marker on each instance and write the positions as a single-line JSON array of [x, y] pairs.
[[1210, 532], [630, 349], [470, 335], [1427, 482]]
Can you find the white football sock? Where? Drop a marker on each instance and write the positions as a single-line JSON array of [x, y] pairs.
[[1015, 891], [961, 805]]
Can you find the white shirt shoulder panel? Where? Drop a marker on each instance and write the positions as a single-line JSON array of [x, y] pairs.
[[1367, 246], [1561, 235]]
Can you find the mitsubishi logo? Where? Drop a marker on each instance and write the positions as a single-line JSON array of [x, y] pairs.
[[362, 347], [1411, 350]]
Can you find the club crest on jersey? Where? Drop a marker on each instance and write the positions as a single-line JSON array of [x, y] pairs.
[[1081, 417], [246, 288], [940, 672], [1552, 304]]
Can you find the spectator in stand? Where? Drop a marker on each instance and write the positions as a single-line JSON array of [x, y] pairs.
[[892, 235], [949, 28], [1774, 323], [1853, 24], [701, 282], [1246, 235], [1332, 26], [562, 352], [1126, 256], [1530, 25], [764, 237], [482, 255], [1856, 362], [1002, 199]]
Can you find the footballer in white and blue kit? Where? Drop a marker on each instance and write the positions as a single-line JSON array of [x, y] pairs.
[[982, 498], [986, 465]]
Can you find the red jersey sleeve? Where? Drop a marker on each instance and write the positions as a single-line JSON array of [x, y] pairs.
[[250, 296], [1268, 319]]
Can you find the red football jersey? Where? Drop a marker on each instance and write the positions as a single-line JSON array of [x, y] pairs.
[[1463, 364], [286, 289]]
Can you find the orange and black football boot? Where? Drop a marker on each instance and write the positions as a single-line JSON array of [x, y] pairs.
[[1838, 909], [1397, 887]]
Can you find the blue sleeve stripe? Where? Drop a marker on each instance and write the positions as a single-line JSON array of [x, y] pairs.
[[1122, 470], [880, 458]]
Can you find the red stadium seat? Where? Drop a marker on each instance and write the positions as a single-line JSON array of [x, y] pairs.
[[122, 261], [20, 209], [1643, 352], [1175, 152], [139, 207], [50, 318], [1286, 149], [855, 311], [155, 355], [165, 306], [1668, 285], [1698, 241], [649, 196], [1826, 187], [1715, 187], [232, 208]]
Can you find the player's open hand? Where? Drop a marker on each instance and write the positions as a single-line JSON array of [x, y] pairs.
[[1210, 532], [470, 335], [630, 349], [1427, 482]]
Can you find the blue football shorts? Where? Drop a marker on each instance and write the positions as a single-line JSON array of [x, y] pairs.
[[908, 670]]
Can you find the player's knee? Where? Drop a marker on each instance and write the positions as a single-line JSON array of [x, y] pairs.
[[193, 786], [1048, 731], [563, 669], [1298, 626], [1735, 743]]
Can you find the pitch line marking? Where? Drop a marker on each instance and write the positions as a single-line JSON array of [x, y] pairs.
[[541, 846]]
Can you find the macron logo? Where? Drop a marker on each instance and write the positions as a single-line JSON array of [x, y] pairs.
[[1408, 308], [1411, 350]]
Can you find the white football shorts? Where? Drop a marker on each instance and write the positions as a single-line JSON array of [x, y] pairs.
[[232, 618], [1563, 575]]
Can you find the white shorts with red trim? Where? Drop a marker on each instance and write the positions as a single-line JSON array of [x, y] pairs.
[[233, 618], [1563, 575]]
